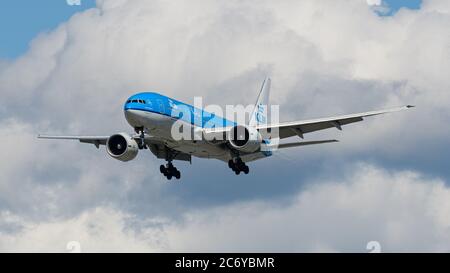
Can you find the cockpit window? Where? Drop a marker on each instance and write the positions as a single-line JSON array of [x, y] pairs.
[[136, 101]]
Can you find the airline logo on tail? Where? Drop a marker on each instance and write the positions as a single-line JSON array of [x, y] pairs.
[[261, 114]]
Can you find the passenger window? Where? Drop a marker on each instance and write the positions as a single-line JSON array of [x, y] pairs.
[[134, 101], [128, 101]]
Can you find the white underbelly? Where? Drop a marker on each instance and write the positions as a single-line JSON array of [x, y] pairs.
[[161, 126]]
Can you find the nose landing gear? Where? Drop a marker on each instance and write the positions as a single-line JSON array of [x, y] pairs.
[[141, 141], [238, 166], [170, 171]]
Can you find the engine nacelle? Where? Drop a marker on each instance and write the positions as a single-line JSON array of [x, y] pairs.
[[122, 147], [245, 139]]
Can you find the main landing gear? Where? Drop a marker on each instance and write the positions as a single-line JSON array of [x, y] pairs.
[[170, 171], [238, 166]]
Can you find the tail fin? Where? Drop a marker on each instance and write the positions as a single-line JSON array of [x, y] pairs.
[[260, 112]]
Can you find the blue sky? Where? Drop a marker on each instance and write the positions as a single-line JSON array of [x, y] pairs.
[[46, 15], [396, 5], [22, 20]]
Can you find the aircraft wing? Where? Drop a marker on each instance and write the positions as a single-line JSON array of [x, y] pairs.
[[299, 128], [96, 140], [155, 144], [99, 140]]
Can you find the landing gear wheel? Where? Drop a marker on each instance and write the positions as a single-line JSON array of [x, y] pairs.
[[169, 171], [238, 166], [239, 161], [246, 169], [231, 164]]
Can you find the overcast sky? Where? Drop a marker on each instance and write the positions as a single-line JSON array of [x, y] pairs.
[[69, 69]]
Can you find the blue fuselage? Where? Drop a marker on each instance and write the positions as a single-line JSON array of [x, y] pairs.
[[162, 105], [156, 114]]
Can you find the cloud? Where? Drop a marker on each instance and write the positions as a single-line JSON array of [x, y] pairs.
[[97, 230], [38, 183], [404, 211], [438, 6], [374, 2], [325, 58]]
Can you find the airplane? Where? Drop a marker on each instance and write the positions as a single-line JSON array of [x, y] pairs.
[[153, 115]]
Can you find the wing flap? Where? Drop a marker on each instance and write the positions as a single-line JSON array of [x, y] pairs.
[[304, 143]]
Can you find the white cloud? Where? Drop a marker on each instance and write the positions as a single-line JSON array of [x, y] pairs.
[[38, 183], [374, 2], [404, 211], [97, 230], [439, 6]]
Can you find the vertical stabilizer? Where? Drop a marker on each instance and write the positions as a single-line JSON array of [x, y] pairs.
[[260, 112]]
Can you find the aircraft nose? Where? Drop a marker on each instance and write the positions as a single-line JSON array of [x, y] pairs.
[[132, 117], [130, 113]]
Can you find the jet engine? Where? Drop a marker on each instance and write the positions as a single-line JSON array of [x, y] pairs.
[[122, 147], [245, 139]]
